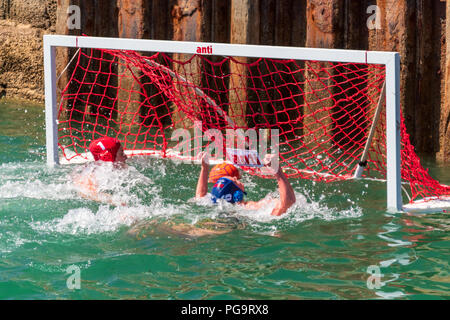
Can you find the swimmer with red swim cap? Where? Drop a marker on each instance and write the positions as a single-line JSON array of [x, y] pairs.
[[104, 150], [227, 186], [109, 150]]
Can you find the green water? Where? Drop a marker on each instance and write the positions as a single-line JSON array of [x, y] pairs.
[[321, 249]]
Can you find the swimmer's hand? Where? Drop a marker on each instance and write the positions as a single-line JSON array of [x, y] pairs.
[[204, 158], [272, 165]]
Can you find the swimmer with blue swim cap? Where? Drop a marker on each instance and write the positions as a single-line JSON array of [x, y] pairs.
[[225, 177], [227, 186]]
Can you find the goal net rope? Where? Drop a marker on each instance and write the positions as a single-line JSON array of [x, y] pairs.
[[321, 112]]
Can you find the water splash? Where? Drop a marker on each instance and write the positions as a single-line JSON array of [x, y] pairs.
[[105, 219], [137, 194], [261, 220]]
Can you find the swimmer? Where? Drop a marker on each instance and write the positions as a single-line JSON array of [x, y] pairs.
[[104, 150], [109, 150], [227, 186]]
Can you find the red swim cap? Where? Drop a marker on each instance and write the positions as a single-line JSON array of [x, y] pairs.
[[105, 149], [223, 170]]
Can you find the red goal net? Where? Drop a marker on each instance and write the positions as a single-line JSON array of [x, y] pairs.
[[322, 111]]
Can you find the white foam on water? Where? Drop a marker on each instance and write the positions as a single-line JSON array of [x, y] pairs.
[[36, 189], [105, 219], [391, 295], [261, 219], [126, 190], [134, 197], [305, 209], [124, 185], [26, 180]]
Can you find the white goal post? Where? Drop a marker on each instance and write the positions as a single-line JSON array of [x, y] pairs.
[[391, 61]]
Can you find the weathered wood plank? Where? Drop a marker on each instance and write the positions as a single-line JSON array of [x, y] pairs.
[[444, 128], [187, 16], [245, 23], [324, 30], [99, 20], [130, 24], [427, 86]]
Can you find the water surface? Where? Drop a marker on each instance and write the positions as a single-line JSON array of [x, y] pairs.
[[321, 249]]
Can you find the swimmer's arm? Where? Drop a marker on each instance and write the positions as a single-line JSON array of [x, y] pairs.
[[88, 190], [202, 184], [287, 195]]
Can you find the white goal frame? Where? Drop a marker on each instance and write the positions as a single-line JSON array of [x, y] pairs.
[[391, 60]]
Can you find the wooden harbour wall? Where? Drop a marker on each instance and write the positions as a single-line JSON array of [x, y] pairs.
[[416, 28]]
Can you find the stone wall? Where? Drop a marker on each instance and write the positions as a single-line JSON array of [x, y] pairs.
[[22, 25]]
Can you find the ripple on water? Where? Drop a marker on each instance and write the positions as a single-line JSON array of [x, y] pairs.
[[319, 249]]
